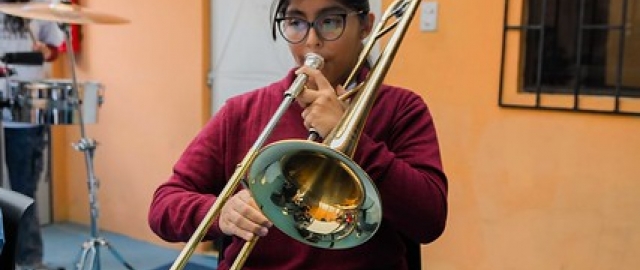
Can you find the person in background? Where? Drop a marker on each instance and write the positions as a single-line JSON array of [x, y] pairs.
[[25, 142], [398, 149]]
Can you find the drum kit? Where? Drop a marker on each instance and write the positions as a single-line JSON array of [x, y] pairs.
[[62, 102], [54, 102]]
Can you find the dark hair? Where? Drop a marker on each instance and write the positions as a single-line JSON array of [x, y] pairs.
[[279, 7], [12, 23]]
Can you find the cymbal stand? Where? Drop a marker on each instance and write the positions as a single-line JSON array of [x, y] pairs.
[[90, 251]]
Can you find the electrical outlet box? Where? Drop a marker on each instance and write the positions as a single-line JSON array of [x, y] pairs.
[[428, 16]]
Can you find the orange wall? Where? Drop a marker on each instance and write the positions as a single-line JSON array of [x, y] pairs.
[[528, 189], [154, 72]]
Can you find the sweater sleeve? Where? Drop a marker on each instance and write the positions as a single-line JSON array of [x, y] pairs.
[[181, 203], [406, 167]]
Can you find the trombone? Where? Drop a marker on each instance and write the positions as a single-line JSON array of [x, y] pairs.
[[314, 192]]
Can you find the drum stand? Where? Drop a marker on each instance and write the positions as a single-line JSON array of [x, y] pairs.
[[90, 251]]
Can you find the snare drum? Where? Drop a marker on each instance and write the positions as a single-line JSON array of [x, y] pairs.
[[53, 102]]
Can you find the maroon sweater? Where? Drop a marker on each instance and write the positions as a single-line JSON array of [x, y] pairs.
[[398, 149]]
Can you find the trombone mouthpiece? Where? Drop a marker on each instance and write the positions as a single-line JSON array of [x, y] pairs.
[[313, 60]]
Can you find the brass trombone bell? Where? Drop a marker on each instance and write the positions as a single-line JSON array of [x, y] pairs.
[[315, 194]]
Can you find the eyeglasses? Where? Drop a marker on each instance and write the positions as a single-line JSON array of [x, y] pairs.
[[328, 27]]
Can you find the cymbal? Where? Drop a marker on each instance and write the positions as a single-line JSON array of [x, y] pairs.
[[60, 12]]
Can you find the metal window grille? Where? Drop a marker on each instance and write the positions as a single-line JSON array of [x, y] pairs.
[[571, 55]]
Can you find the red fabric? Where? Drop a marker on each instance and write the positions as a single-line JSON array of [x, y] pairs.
[[76, 39], [398, 149]]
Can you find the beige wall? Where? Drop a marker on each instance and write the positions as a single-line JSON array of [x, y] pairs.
[[528, 189]]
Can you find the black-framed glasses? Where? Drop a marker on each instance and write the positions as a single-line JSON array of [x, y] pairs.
[[328, 27]]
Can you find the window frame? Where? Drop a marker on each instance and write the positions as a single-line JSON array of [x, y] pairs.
[[579, 98]]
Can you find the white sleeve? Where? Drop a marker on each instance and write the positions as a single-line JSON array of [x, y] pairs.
[[49, 33]]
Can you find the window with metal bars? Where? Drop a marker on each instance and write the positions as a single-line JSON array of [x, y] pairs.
[[580, 55]]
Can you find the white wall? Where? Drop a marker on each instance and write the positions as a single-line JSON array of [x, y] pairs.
[[244, 55]]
